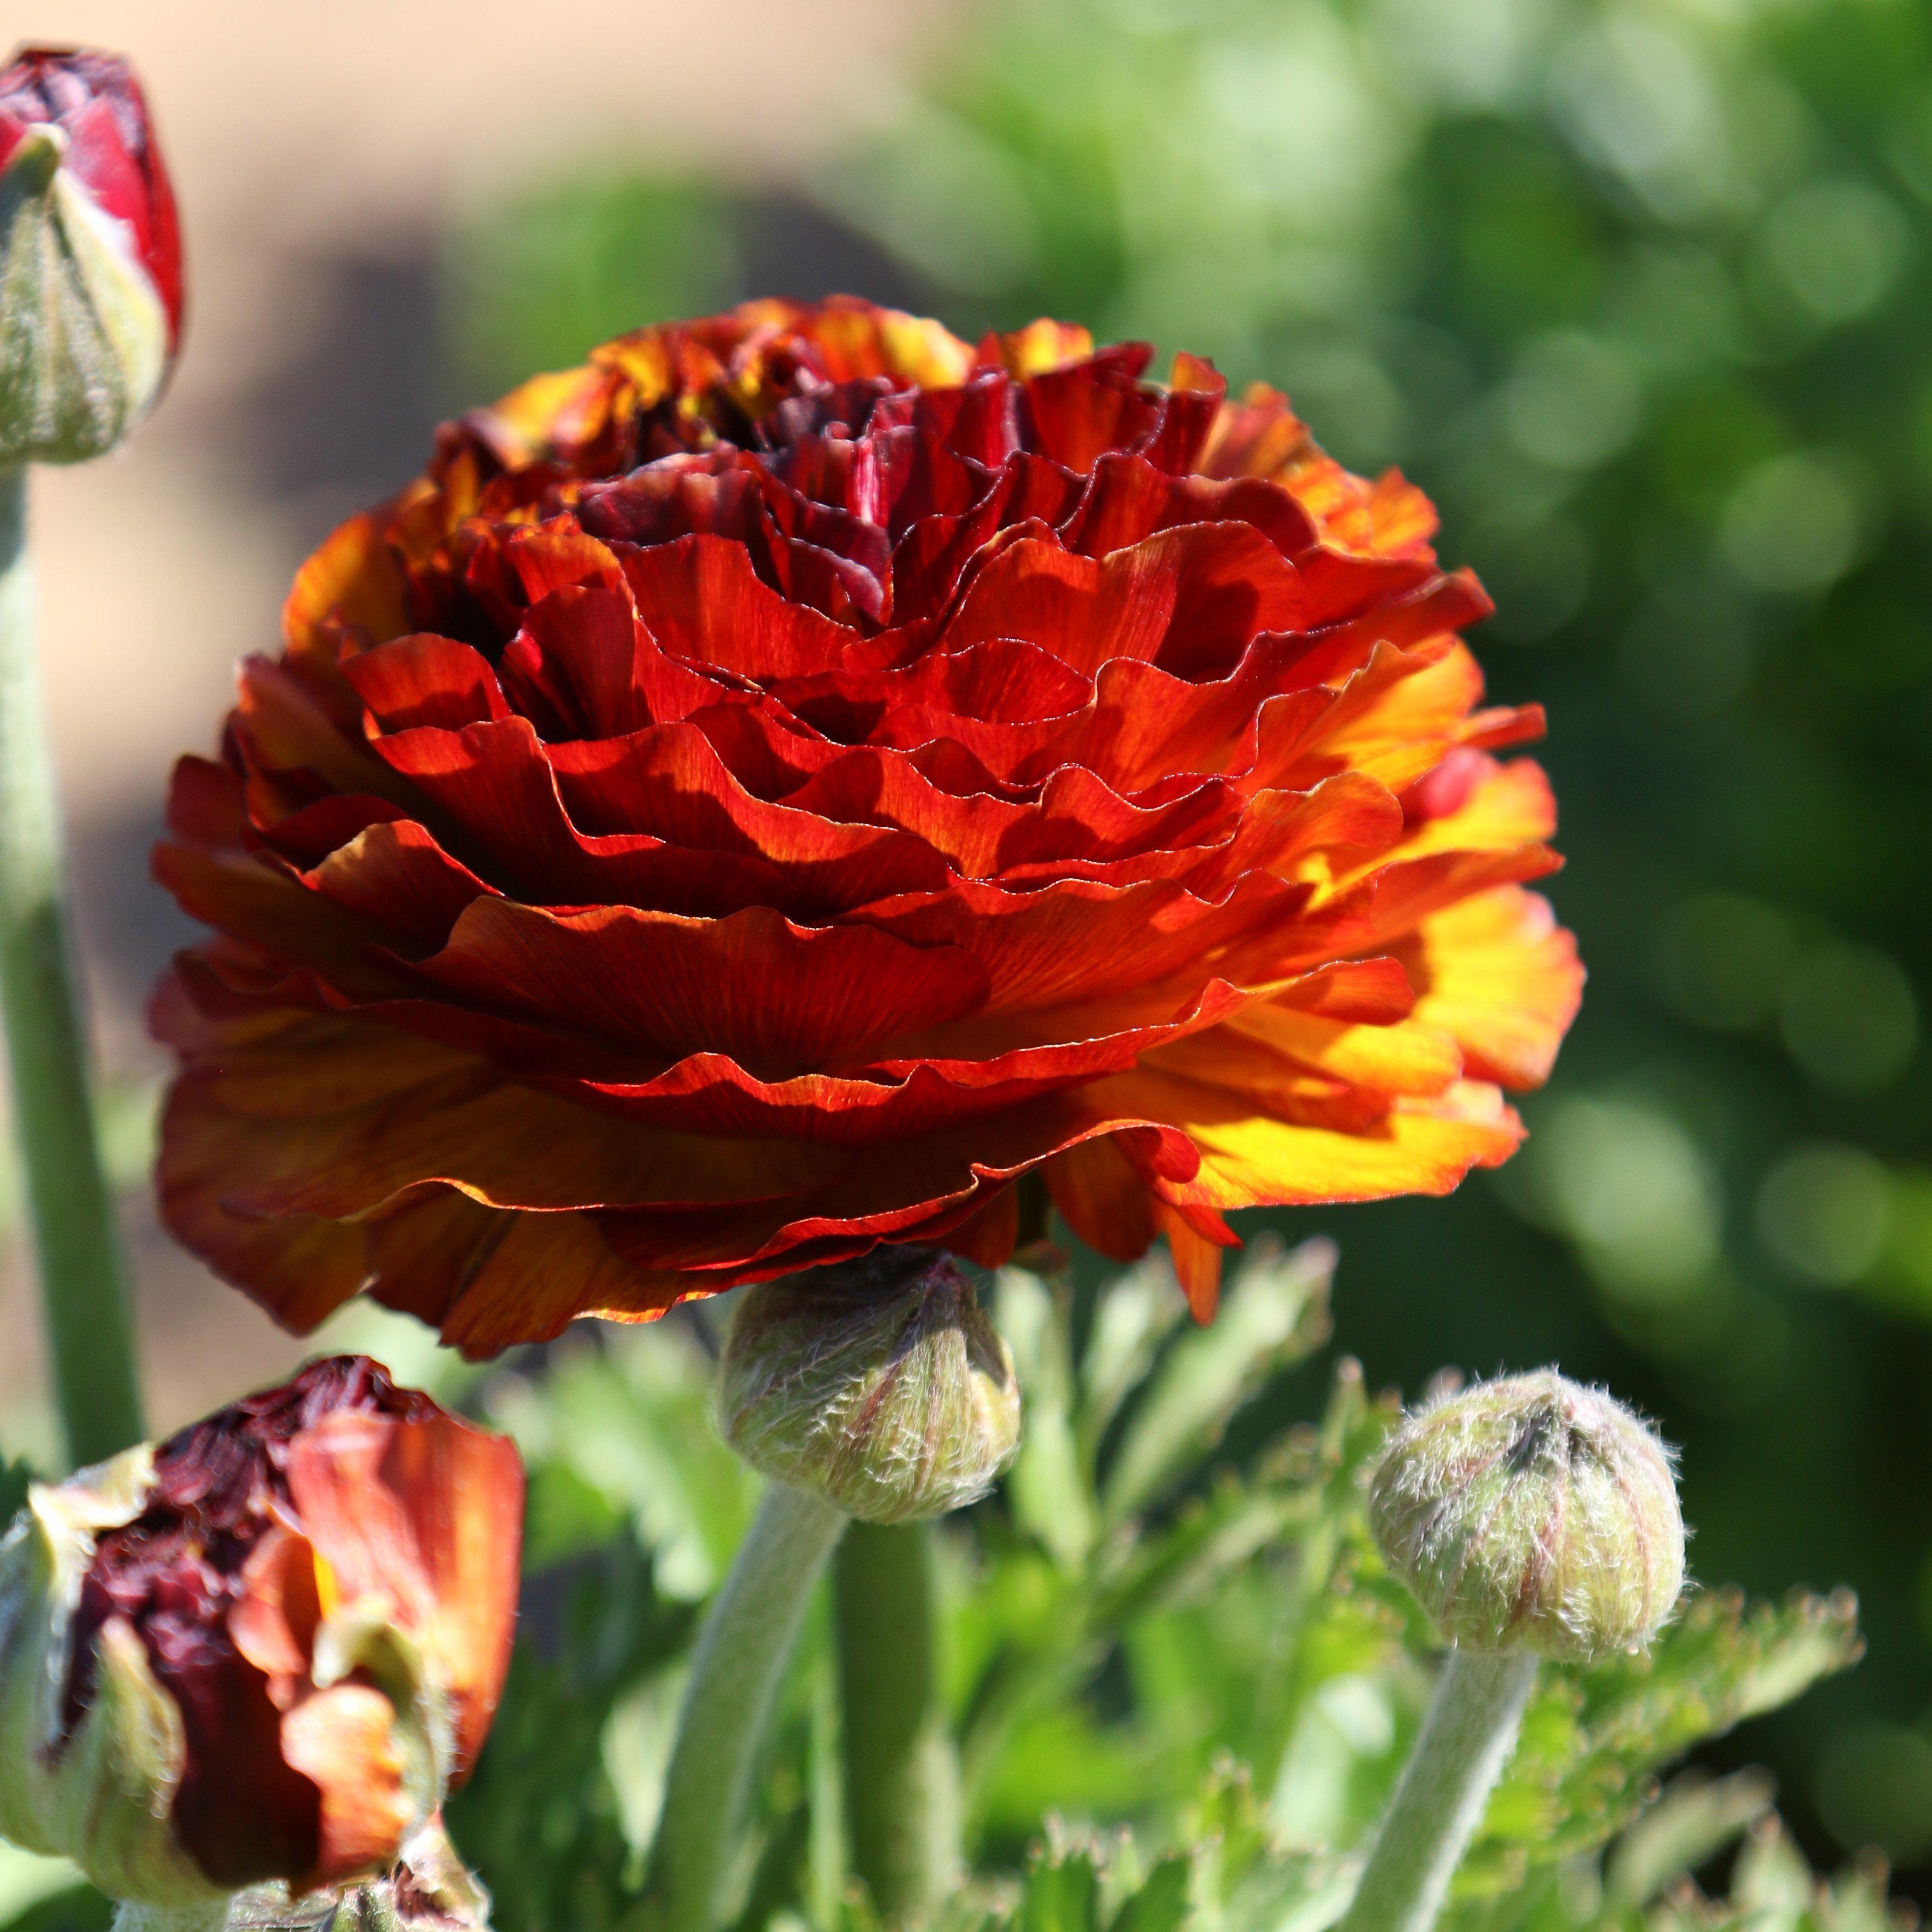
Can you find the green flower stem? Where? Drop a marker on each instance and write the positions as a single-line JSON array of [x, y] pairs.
[[901, 1778], [1466, 1740], [211, 1916], [88, 1333], [742, 1651]]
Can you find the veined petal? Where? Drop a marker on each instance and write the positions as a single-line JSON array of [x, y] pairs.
[[755, 796], [1497, 973]]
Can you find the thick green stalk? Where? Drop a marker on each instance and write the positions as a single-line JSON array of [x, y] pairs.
[[1466, 1740], [902, 1776], [88, 1333], [748, 1636], [211, 1917]]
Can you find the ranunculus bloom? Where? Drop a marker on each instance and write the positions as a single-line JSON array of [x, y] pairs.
[[263, 1650], [763, 792], [90, 255]]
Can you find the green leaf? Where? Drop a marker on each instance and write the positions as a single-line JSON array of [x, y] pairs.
[[1592, 1734], [1047, 1486], [78, 1908], [1773, 1887], [1696, 1818], [1245, 1879], [1137, 1313], [47, 1894], [1275, 1312], [624, 1431], [542, 1820], [1063, 1888], [1161, 1904], [14, 1478]]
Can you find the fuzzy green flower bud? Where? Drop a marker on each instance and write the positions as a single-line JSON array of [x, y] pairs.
[[879, 1384], [1532, 1514]]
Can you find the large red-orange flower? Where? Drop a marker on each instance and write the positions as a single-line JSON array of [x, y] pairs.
[[760, 793]]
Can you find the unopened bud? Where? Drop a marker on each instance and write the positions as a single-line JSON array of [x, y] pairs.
[[262, 1651], [90, 257], [879, 1383], [1532, 1514]]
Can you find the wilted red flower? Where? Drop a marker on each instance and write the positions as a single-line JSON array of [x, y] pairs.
[[90, 252], [762, 792], [264, 1649]]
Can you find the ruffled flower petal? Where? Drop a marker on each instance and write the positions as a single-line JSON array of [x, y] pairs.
[[756, 795]]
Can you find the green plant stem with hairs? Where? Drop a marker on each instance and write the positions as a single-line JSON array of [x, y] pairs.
[[89, 1335], [901, 1779], [1464, 1743], [742, 1652], [211, 1916]]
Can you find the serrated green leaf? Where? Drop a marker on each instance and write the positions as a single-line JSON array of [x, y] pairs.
[[1696, 1817], [630, 1420], [1161, 1903], [1590, 1735], [1063, 1888], [1137, 1313], [1773, 1885], [1275, 1311], [1224, 1822], [1048, 1485], [540, 1819]]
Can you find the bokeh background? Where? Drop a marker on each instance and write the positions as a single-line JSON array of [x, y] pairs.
[[1638, 290]]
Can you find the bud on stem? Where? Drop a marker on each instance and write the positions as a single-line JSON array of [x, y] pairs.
[[874, 1388], [1532, 1513], [1532, 1518], [881, 1384]]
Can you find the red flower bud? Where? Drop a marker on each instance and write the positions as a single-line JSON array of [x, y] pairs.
[[90, 255], [284, 1643]]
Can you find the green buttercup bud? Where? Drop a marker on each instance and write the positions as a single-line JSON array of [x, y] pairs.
[[1532, 1514], [879, 1384]]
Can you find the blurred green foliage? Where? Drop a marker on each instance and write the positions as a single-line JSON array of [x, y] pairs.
[[1635, 290], [1179, 1684], [1180, 1690]]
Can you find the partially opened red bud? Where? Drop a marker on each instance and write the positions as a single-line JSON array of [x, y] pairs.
[[90, 256], [262, 1650]]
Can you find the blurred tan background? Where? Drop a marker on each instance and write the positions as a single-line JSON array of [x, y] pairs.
[[319, 147]]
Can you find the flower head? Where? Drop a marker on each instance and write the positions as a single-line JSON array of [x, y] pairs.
[[762, 793], [90, 256], [263, 1649], [1532, 1514]]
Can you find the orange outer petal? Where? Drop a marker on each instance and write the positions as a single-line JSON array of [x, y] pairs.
[[1497, 973], [1423, 1146], [343, 1740], [428, 1513]]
